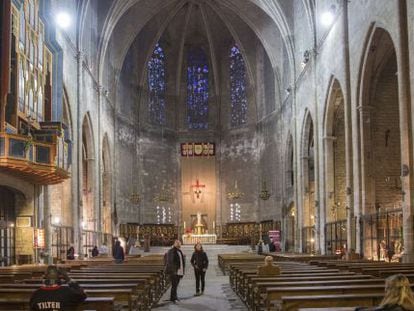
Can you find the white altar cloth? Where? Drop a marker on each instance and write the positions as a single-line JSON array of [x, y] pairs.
[[202, 238]]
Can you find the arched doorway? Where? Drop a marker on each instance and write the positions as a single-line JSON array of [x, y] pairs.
[[335, 171], [379, 124], [308, 186], [7, 226]]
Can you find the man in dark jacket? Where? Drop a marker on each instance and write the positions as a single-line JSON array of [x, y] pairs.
[[118, 252], [175, 265], [55, 297]]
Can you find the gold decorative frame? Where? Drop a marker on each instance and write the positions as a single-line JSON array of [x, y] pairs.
[[23, 221]]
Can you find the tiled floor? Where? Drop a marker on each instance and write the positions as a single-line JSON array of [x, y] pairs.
[[218, 296]]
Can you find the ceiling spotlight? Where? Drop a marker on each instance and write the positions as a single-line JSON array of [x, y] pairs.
[[306, 58], [63, 20], [288, 90], [327, 18]]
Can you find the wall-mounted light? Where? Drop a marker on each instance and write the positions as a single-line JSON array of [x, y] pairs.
[[63, 20], [328, 17], [56, 221]]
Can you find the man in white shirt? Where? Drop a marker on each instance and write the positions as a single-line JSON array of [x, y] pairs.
[[175, 267]]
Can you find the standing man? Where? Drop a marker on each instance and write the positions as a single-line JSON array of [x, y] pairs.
[[175, 265]]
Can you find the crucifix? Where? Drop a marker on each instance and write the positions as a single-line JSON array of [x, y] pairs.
[[197, 187]]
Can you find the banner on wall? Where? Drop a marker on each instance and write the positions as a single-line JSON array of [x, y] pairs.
[[198, 149], [275, 236]]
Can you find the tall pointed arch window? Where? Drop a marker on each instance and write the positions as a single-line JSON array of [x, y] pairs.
[[197, 89], [157, 86], [238, 96]]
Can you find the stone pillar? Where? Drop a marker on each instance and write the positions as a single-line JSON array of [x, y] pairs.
[[404, 96], [348, 131], [78, 208], [329, 182], [47, 224], [365, 147]]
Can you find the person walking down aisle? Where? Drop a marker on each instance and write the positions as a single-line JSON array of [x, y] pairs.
[[52, 296], [199, 261], [175, 267], [119, 252]]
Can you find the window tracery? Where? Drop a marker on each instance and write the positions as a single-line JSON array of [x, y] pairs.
[[197, 89], [157, 86], [238, 95]]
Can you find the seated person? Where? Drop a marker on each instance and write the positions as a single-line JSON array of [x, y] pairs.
[[398, 295], [268, 268], [53, 296], [95, 251]]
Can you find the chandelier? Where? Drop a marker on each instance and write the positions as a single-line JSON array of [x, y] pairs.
[[264, 193], [235, 193]]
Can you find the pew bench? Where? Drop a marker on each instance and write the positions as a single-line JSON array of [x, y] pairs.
[[91, 303], [293, 303]]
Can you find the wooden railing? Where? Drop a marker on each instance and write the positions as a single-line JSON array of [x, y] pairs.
[[39, 162]]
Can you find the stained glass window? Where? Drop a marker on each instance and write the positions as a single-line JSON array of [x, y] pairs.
[[157, 86], [237, 88], [22, 28], [197, 89]]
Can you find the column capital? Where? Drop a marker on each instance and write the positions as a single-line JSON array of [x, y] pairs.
[[365, 109]]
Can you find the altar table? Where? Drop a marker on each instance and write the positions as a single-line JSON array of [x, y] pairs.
[[202, 238]]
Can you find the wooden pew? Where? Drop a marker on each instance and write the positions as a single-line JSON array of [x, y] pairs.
[[276, 293], [91, 303], [293, 303], [122, 296]]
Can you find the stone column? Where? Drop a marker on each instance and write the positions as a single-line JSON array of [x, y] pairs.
[[365, 149], [348, 131], [404, 96], [329, 182], [47, 224]]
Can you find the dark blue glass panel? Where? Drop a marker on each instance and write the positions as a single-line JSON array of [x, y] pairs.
[[157, 86], [238, 96], [197, 89]]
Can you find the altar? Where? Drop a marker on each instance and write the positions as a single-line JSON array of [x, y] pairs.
[[202, 238]]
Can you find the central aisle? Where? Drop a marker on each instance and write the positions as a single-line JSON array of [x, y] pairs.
[[218, 296]]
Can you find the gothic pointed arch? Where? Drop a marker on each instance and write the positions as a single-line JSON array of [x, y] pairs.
[[380, 143], [335, 169]]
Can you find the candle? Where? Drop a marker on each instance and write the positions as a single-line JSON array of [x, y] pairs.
[[184, 225], [214, 225]]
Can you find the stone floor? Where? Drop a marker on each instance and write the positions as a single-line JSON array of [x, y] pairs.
[[218, 296]]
